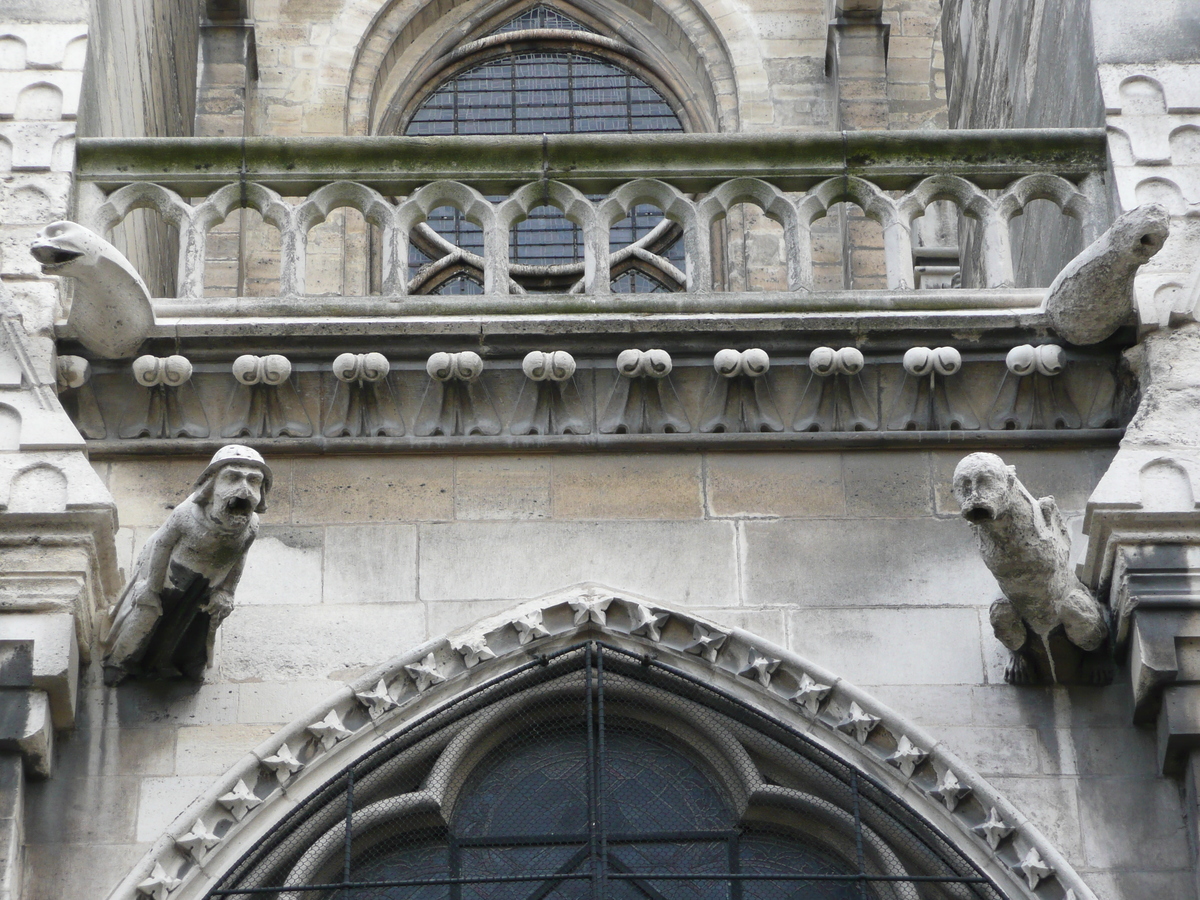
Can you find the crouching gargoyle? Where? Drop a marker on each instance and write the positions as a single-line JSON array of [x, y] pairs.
[[165, 621], [1056, 630]]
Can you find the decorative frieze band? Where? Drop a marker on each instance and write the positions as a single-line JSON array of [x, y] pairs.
[[549, 392]]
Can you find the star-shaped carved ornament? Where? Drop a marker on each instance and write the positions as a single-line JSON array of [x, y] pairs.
[[284, 763], [859, 723], [239, 801], [647, 621], [425, 674], [378, 700], [329, 730]]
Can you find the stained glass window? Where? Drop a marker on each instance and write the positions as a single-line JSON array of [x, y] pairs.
[[552, 91], [525, 809]]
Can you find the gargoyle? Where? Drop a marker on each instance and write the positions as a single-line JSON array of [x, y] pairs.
[[111, 312], [165, 621], [1056, 630], [1093, 294]]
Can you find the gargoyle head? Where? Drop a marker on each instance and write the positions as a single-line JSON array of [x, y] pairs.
[[234, 486], [983, 485], [63, 246]]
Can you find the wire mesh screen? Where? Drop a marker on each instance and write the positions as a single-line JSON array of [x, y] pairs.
[[595, 773]]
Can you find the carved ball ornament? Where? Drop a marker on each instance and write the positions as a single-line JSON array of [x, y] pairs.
[[464, 366], [272, 369], [1048, 359], [825, 361], [557, 365], [644, 363], [923, 360], [356, 367], [172, 371], [731, 363]]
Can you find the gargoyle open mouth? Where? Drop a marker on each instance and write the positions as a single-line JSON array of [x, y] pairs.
[[52, 257], [978, 514], [238, 506]]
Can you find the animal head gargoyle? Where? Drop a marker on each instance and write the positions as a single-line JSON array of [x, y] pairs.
[[111, 313], [1093, 295]]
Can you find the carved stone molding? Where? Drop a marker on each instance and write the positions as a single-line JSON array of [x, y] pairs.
[[549, 403], [362, 403], [837, 396], [171, 408], [643, 398], [739, 399], [456, 402], [931, 397], [847, 721], [523, 399], [264, 403]]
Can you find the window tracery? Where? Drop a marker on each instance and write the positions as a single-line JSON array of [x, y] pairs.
[[548, 84], [591, 773]]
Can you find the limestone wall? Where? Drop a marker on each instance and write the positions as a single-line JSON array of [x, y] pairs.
[[856, 560], [140, 81], [1024, 64]]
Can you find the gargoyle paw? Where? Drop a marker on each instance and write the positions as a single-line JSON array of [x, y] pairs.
[[1020, 670]]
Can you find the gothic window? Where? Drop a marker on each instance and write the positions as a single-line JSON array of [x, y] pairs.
[[594, 772], [551, 85]]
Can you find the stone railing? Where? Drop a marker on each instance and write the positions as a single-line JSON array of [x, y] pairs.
[[694, 179]]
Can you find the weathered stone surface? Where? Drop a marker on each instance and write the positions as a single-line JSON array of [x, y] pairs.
[[81, 810], [993, 751], [285, 567], [117, 751], [273, 643], [213, 749], [508, 487], [370, 564], [773, 484], [913, 562], [654, 486], [892, 646], [1053, 806], [160, 800], [275, 703], [77, 869], [1153, 836], [373, 489], [690, 562], [891, 485]]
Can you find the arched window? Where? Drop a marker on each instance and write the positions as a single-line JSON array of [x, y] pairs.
[[542, 72], [595, 772]]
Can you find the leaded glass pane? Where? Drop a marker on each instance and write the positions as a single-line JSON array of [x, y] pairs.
[[541, 17], [550, 92], [772, 854]]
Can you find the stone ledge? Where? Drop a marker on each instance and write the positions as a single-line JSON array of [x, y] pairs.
[[793, 161], [592, 443]]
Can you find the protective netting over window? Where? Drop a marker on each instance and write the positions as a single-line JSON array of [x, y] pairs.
[[594, 773], [541, 17]]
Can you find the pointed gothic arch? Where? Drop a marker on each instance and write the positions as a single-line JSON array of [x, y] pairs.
[[789, 748], [675, 42]]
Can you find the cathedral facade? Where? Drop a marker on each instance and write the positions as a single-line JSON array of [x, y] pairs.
[[626, 448]]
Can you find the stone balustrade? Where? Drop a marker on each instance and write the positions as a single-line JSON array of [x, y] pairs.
[[695, 179]]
